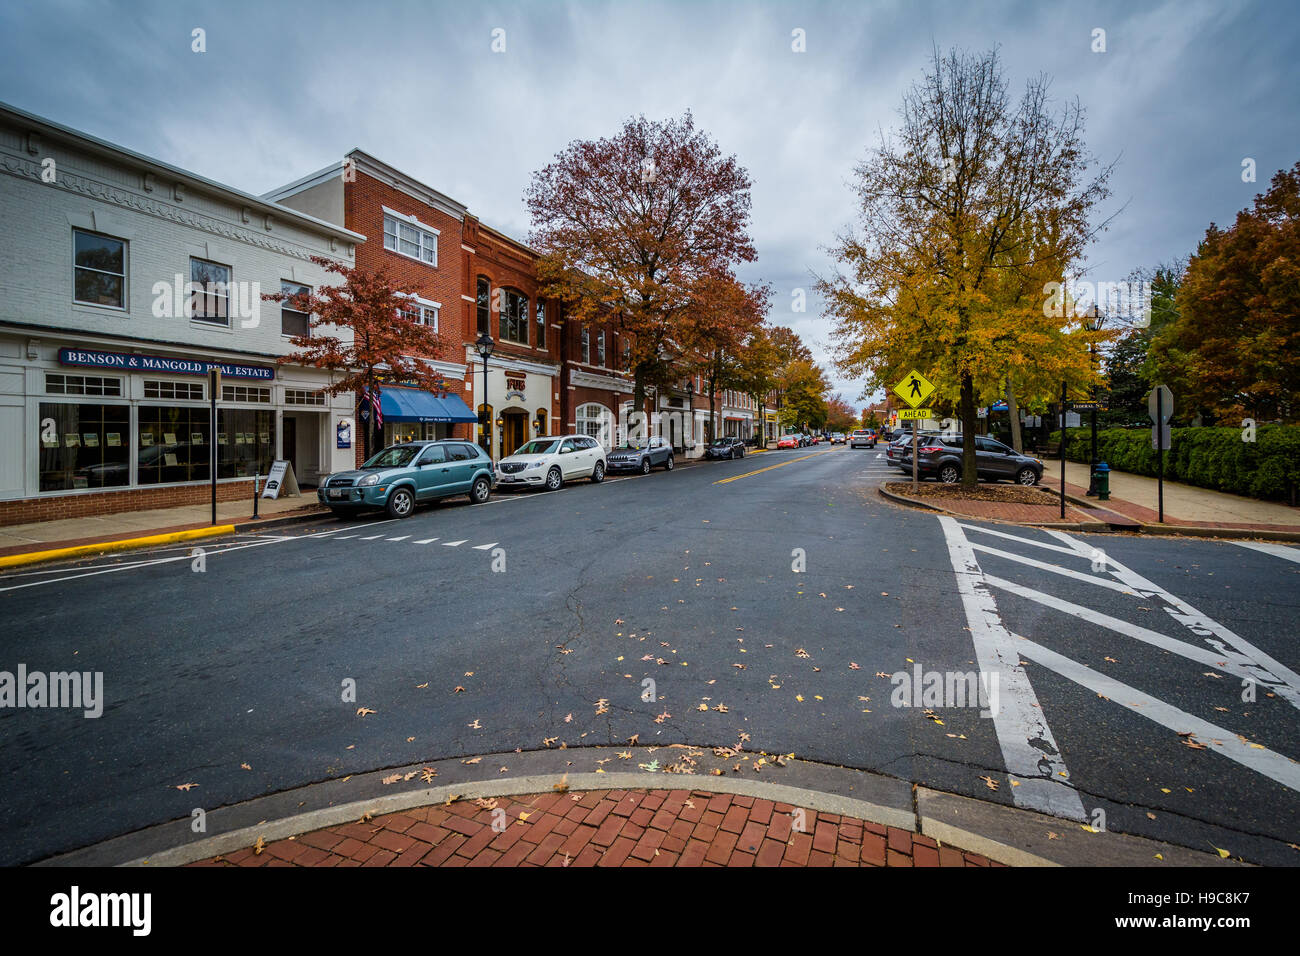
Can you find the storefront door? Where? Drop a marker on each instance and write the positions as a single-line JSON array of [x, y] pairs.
[[516, 431], [290, 439]]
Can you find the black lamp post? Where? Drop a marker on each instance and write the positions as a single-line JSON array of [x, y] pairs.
[[1093, 323], [484, 347]]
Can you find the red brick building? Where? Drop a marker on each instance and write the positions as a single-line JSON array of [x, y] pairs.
[[418, 235]]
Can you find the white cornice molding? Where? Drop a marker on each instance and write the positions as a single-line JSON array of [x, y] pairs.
[[512, 364], [606, 382], [72, 182]]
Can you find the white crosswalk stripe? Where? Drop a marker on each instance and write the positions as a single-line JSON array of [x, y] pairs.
[[1199, 640], [1277, 550], [426, 541], [402, 538], [485, 547], [454, 544]]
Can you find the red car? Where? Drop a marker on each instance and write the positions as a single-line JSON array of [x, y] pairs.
[[788, 441]]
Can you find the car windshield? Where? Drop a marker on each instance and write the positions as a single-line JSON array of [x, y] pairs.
[[539, 446], [722, 441], [636, 444], [396, 456]]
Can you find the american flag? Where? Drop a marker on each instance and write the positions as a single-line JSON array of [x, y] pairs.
[[374, 399]]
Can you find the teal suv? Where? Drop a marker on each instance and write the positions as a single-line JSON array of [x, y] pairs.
[[402, 476]]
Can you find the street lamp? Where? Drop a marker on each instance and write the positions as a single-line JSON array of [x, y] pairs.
[[484, 347], [1093, 323]]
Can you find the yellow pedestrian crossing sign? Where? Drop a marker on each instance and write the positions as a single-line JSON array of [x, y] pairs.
[[914, 388]]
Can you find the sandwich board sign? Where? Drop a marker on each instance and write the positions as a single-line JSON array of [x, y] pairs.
[[281, 481]]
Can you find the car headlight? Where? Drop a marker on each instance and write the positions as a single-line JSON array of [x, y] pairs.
[[535, 464], [368, 481]]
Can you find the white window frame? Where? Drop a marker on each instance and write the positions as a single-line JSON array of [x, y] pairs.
[[126, 270], [427, 235], [423, 308]]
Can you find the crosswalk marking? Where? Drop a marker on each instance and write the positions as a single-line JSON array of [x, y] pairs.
[[1260, 759], [1028, 747], [425, 541], [402, 538], [345, 537], [454, 544], [485, 547], [372, 537], [1277, 550], [1055, 569]]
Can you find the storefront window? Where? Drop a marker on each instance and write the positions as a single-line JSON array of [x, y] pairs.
[[595, 420], [397, 432], [245, 441], [173, 445], [84, 446]]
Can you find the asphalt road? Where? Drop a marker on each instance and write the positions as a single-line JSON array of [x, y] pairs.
[[535, 619]]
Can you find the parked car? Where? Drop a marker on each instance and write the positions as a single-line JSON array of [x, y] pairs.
[[902, 443], [641, 455], [401, 476], [940, 457], [727, 447], [551, 461], [789, 441]]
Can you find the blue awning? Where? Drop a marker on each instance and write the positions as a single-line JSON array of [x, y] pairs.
[[412, 405]]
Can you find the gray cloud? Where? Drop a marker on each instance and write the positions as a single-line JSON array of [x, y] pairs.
[[1184, 92]]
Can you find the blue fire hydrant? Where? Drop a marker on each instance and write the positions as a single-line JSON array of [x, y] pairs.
[[1102, 476]]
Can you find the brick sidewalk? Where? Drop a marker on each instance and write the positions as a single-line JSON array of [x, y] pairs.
[[607, 828]]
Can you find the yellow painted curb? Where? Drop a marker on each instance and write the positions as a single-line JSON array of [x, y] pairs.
[[34, 557]]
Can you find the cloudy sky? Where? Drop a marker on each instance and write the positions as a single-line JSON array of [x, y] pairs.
[[1184, 91]]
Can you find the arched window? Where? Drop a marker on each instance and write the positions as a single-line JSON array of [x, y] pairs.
[[540, 421], [481, 303], [597, 421]]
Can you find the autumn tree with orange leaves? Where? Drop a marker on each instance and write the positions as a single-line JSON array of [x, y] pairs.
[[359, 329], [634, 229]]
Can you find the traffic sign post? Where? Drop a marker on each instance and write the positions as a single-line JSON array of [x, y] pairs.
[[1160, 405], [914, 389]]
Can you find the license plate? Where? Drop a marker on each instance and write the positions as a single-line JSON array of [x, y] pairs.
[[337, 492]]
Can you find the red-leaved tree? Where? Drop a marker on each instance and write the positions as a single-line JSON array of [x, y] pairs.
[[362, 330], [633, 229]]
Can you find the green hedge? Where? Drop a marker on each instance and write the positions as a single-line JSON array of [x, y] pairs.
[[1215, 458]]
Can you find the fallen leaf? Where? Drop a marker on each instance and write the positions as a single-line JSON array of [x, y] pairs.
[[363, 711]]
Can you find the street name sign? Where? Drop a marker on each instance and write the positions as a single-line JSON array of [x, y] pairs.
[[914, 389]]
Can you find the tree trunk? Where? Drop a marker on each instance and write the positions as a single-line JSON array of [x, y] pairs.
[[969, 473], [1013, 410]]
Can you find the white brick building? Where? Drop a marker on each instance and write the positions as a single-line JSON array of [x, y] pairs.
[[103, 385]]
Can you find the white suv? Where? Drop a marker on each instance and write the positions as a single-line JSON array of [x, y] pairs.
[[550, 462]]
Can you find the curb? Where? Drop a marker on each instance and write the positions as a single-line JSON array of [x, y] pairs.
[[1088, 526], [1099, 527], [104, 547], [279, 522], [1000, 832]]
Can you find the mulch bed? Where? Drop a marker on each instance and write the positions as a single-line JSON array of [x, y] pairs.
[[1001, 493]]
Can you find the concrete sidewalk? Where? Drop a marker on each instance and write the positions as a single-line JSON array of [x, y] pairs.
[[1134, 496], [102, 529]]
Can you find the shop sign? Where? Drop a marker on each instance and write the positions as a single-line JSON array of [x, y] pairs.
[[133, 362]]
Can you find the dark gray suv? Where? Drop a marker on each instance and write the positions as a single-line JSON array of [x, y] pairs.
[[940, 457]]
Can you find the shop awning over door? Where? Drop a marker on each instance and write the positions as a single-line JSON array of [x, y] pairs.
[[413, 405]]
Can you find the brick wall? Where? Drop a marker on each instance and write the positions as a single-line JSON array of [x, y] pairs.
[[26, 510]]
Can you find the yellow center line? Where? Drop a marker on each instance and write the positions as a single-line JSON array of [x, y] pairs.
[[723, 481]]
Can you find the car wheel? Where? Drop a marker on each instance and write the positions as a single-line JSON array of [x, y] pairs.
[[742, 453], [645, 465], [1027, 476], [598, 473], [668, 465], [950, 474], [481, 491], [401, 503], [731, 455], [554, 480]]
